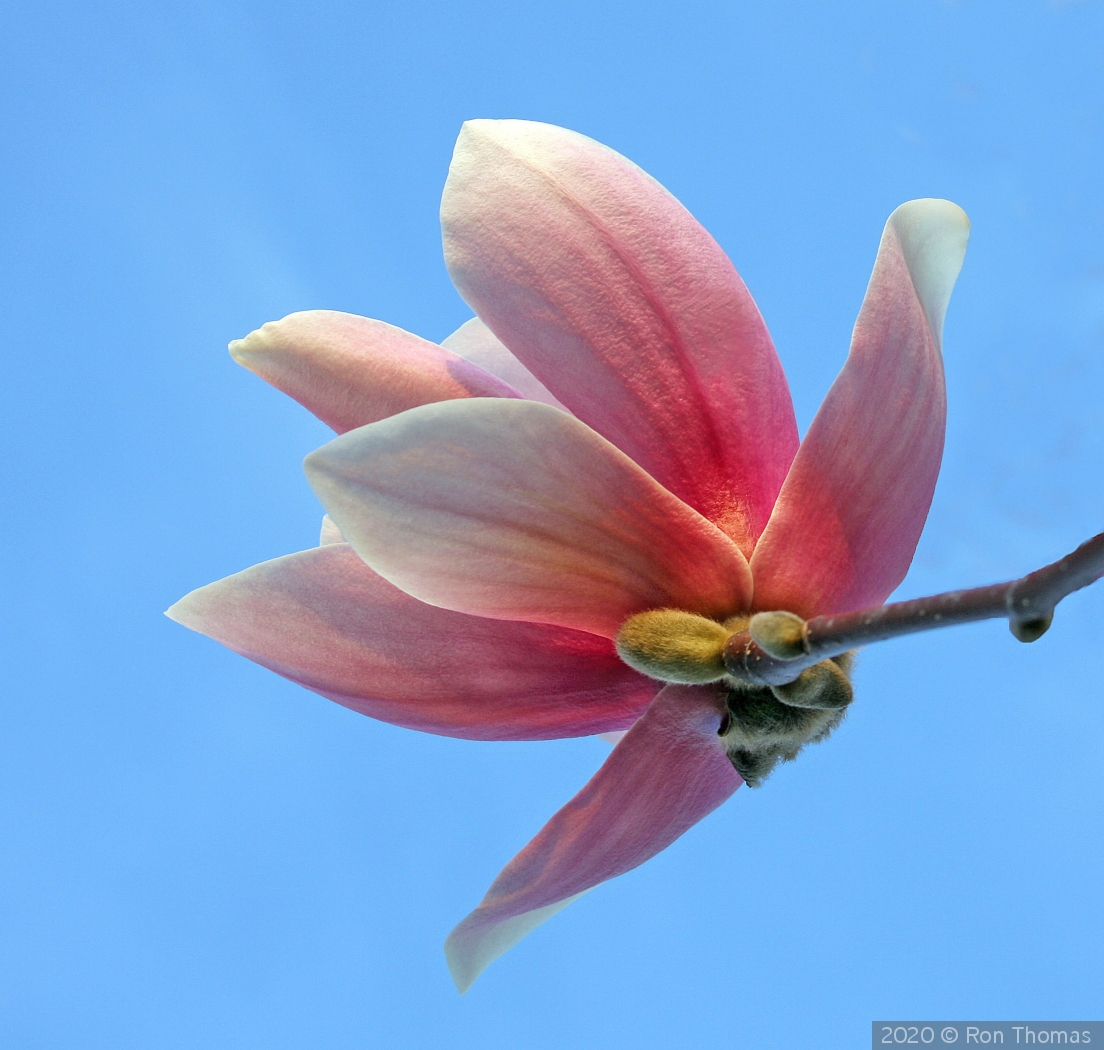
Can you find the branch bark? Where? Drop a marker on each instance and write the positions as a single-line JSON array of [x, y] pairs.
[[778, 646]]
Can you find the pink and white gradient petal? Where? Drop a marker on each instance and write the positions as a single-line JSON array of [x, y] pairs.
[[350, 370], [668, 773], [475, 342], [610, 292], [847, 522], [323, 619], [516, 510]]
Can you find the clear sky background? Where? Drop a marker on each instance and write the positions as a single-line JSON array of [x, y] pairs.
[[198, 854]]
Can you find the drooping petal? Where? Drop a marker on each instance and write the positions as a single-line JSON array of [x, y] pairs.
[[623, 306], [475, 342], [516, 510], [350, 370], [668, 773], [849, 517], [323, 619]]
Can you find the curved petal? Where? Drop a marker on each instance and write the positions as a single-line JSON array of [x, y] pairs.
[[851, 512], [515, 510], [351, 370], [623, 306], [323, 619], [475, 342], [668, 773]]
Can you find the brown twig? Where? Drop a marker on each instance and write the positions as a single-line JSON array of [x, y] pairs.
[[777, 647]]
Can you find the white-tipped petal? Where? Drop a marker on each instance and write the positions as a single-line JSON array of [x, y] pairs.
[[668, 772], [467, 961], [933, 235], [323, 619], [845, 527], [350, 370]]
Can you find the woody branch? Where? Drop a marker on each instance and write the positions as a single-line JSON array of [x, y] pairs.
[[778, 646]]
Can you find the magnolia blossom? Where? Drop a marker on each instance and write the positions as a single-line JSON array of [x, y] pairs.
[[611, 436]]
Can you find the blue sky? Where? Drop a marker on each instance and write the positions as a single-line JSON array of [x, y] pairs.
[[200, 854]]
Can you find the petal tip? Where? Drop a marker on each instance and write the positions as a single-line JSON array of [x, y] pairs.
[[931, 208], [238, 349], [461, 968], [489, 126], [318, 467], [323, 469], [329, 533], [512, 132], [263, 341], [475, 124], [468, 139], [247, 350], [932, 233], [183, 611], [195, 609], [480, 939]]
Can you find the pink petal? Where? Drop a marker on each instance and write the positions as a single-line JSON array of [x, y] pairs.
[[475, 342], [515, 510], [351, 370], [850, 514], [323, 619], [668, 773], [624, 307]]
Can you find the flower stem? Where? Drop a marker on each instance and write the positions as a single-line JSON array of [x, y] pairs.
[[777, 647]]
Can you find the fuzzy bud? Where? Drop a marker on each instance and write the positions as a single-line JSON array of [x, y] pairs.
[[823, 687], [779, 634], [674, 646]]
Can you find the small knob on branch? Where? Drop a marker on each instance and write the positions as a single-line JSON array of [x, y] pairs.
[[1030, 630]]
